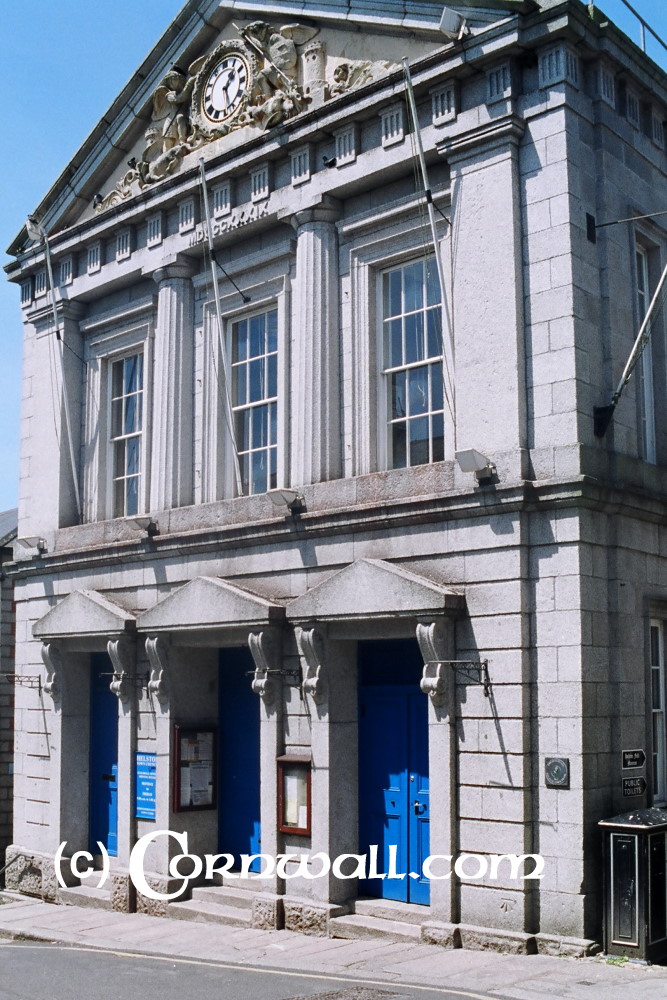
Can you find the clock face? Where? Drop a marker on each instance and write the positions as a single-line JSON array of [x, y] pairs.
[[225, 87]]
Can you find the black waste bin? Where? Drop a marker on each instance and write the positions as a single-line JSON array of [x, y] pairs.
[[635, 884]]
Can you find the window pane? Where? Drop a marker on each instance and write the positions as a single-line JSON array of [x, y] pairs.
[[119, 459], [273, 475], [414, 286], [256, 380], [394, 329], [434, 333], [432, 284], [256, 336], [414, 338], [398, 394], [133, 456], [259, 472], [117, 379], [272, 387], [240, 341], [243, 430], [272, 330], [418, 381], [116, 418], [438, 437], [656, 689], [655, 646], [259, 427], [130, 423], [436, 387], [419, 441], [132, 495], [399, 457], [392, 294], [240, 392], [132, 374], [119, 498], [273, 416]]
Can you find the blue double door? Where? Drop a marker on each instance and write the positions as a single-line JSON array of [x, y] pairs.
[[239, 756], [393, 768], [103, 799]]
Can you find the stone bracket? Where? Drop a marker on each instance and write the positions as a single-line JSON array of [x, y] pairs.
[[265, 647], [53, 661], [157, 650], [310, 643], [122, 654], [434, 647]]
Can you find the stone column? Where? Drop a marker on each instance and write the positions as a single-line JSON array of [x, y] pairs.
[[123, 654], [332, 703], [172, 432], [315, 423], [266, 649]]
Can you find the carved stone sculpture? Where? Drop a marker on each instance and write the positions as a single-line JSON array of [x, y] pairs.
[[265, 647], [310, 643], [122, 654], [433, 646], [52, 657], [352, 74], [157, 649]]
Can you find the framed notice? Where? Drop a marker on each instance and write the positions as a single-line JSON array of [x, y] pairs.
[[195, 778], [294, 794]]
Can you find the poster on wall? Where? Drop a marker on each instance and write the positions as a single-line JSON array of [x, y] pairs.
[[194, 768]]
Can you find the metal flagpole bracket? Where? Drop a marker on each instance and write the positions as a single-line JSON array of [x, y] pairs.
[[468, 671]]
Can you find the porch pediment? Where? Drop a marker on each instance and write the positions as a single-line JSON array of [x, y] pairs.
[[209, 603], [84, 613], [373, 588]]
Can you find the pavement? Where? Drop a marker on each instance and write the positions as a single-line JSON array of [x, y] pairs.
[[476, 974]]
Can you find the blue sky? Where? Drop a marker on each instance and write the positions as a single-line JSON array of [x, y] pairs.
[[64, 63]]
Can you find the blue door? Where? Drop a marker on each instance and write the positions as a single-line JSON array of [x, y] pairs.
[[103, 757], [238, 765], [393, 768]]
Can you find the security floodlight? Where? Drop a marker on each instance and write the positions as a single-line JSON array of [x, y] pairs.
[[472, 460], [32, 542], [35, 230], [452, 24], [291, 499]]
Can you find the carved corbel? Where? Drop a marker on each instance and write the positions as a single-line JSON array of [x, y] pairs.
[[310, 643], [433, 644], [157, 649], [52, 657], [265, 648], [122, 654]]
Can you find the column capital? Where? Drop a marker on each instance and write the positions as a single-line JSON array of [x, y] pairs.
[[177, 267], [326, 210]]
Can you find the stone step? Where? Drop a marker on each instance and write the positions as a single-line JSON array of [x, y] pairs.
[[85, 895], [391, 909], [224, 894], [357, 925], [213, 913]]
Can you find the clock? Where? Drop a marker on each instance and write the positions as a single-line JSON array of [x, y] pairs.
[[224, 88]]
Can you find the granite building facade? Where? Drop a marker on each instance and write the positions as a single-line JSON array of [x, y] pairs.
[[266, 604]]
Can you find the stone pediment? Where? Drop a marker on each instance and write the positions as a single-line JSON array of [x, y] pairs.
[[84, 613], [209, 603], [372, 588], [225, 74]]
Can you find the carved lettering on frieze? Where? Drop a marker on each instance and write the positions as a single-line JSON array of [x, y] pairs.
[[310, 643]]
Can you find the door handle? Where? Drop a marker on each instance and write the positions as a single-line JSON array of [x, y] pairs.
[[419, 807]]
